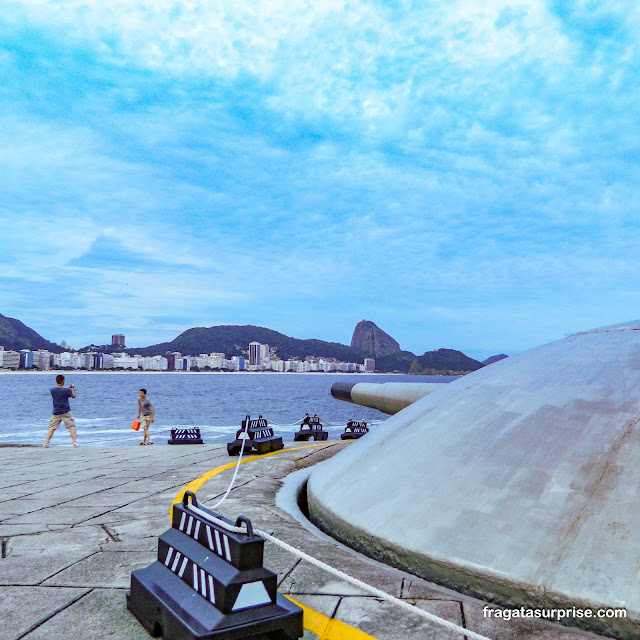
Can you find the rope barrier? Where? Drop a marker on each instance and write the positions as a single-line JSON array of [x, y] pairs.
[[340, 424], [108, 439], [452, 626], [293, 424], [336, 572], [235, 473], [324, 422]]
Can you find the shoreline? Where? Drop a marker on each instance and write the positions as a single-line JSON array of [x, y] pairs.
[[65, 372]]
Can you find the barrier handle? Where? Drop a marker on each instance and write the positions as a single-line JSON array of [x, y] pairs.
[[246, 521], [186, 496]]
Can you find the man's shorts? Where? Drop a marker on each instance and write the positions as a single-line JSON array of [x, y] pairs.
[[67, 418], [145, 422]]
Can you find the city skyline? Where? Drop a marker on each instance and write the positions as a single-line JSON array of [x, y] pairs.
[[258, 357], [464, 175]]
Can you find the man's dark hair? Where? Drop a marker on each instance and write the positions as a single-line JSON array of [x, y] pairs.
[[59, 379], [144, 391]]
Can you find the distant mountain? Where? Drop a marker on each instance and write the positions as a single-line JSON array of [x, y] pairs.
[[369, 339], [235, 339], [448, 359], [15, 335], [493, 359], [400, 362], [438, 361]]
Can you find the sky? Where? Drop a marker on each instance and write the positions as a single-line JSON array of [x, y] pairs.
[[464, 174]]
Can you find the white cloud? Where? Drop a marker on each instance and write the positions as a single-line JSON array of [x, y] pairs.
[[324, 57], [295, 152]]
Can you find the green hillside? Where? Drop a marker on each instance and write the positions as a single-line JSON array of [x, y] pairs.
[[15, 335], [400, 362], [449, 360], [235, 339], [438, 361]]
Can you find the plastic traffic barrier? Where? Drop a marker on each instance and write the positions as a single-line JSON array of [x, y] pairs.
[[185, 436], [209, 583], [258, 437], [355, 429], [311, 429]]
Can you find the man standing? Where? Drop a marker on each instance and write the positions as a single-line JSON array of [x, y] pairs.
[[62, 410], [146, 411]]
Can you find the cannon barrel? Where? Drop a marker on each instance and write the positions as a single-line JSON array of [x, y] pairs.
[[388, 397]]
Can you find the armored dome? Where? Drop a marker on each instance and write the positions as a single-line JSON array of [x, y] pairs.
[[519, 482]]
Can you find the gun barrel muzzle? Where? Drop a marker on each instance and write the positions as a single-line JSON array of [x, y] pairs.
[[388, 397]]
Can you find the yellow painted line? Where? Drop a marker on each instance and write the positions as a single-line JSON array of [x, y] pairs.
[[329, 628], [196, 484], [325, 628]]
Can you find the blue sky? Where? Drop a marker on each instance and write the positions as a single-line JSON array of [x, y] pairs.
[[464, 174]]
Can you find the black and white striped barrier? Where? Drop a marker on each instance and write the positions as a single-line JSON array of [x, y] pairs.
[[185, 436], [209, 583], [355, 429], [311, 429], [258, 436]]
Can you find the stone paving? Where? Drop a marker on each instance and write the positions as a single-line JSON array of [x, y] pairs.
[[74, 523]]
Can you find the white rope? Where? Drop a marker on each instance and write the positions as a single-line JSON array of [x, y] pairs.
[[293, 424], [340, 424], [356, 583], [235, 473], [472, 635], [372, 590]]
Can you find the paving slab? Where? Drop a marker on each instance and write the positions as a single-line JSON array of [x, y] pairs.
[[18, 507], [108, 497], [100, 614], [24, 608], [10, 530], [306, 578], [35, 568], [388, 622], [326, 605], [78, 548], [70, 539], [61, 514], [501, 629], [106, 569]]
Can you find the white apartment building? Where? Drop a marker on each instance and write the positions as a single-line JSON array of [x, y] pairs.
[[67, 360], [217, 361], [41, 359], [87, 359], [258, 353], [10, 359], [123, 361], [154, 363]]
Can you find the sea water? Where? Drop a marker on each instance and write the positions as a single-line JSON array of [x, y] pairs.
[[216, 403]]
